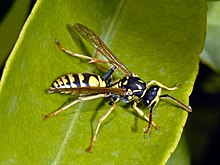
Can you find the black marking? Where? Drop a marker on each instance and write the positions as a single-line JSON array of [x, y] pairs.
[[135, 84], [53, 85], [60, 83], [68, 83], [87, 77], [77, 81], [109, 73]]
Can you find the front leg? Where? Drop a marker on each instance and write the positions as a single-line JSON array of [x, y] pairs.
[[150, 83], [149, 120], [148, 128]]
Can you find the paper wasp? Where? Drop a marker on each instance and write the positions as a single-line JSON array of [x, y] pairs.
[[129, 89]]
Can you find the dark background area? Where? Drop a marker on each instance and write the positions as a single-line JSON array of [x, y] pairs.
[[5, 6], [203, 125]]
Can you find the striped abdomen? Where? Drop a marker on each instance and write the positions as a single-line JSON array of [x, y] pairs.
[[76, 81]]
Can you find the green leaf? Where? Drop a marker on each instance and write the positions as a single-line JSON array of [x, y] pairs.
[[181, 156], [157, 41]]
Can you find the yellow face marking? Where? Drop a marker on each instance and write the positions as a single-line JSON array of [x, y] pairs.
[[72, 80]]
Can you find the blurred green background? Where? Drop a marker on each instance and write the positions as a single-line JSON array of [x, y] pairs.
[[203, 126]]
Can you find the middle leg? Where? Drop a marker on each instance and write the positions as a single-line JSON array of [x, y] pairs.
[[141, 113], [86, 98], [89, 149]]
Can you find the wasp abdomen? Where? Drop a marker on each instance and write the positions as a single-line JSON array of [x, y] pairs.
[[76, 81]]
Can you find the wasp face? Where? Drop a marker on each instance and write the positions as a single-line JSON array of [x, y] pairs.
[[152, 95]]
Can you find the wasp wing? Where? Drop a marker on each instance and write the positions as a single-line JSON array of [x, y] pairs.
[[97, 42], [88, 90]]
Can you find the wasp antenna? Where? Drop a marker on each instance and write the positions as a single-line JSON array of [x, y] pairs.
[[187, 108]]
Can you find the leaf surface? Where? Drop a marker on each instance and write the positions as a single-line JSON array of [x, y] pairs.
[[157, 41]]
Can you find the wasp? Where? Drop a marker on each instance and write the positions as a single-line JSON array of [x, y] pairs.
[[129, 89]]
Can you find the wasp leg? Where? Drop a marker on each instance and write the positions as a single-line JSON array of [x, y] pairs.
[[187, 108], [89, 149], [100, 67], [150, 83], [91, 60], [44, 117], [141, 113], [148, 128], [109, 73]]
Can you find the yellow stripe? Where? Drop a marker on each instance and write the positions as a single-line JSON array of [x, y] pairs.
[[139, 86], [55, 84], [65, 81], [125, 82], [101, 82], [81, 78], [72, 80], [60, 82], [93, 81]]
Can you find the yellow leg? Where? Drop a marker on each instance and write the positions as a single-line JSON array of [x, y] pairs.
[[150, 83], [44, 117], [89, 149], [91, 60], [141, 113]]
